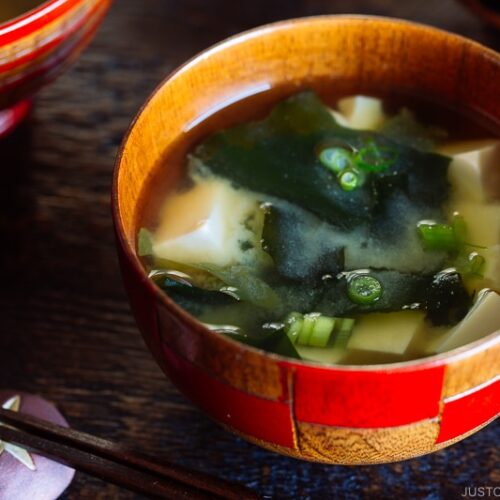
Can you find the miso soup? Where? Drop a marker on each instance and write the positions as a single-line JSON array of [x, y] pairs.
[[9, 9], [347, 230]]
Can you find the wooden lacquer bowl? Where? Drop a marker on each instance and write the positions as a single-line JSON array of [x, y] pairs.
[[37, 46], [332, 414]]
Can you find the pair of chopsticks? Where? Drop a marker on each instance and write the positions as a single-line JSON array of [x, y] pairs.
[[113, 462]]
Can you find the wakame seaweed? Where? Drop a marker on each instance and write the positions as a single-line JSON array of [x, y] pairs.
[[447, 300], [399, 290], [192, 298], [283, 238], [278, 156]]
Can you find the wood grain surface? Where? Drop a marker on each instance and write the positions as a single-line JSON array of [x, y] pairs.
[[66, 331]]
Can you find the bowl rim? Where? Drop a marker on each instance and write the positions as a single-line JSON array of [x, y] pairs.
[[37, 13], [447, 357]]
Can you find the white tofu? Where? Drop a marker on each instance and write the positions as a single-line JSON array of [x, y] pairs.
[[386, 332], [475, 174], [466, 180], [482, 319], [360, 112], [491, 273], [453, 148], [483, 222], [205, 225]]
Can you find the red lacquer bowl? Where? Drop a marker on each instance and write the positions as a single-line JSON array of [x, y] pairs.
[[37, 46], [332, 414]]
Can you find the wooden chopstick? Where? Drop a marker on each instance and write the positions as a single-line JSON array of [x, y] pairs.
[[113, 462]]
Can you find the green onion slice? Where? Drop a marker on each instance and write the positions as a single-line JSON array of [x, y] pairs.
[[293, 326], [307, 329], [476, 263], [322, 330], [375, 158], [437, 236], [312, 329], [364, 289], [349, 179], [470, 264], [344, 332], [335, 159]]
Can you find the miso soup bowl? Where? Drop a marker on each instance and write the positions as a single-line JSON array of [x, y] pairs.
[[37, 46], [332, 414]]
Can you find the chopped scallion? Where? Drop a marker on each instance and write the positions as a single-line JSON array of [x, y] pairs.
[[437, 236], [364, 289], [307, 329], [323, 328], [293, 326], [335, 159], [470, 264], [476, 263], [312, 329], [375, 158], [349, 180], [343, 333]]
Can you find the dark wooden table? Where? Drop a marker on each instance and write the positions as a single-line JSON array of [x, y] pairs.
[[66, 330]]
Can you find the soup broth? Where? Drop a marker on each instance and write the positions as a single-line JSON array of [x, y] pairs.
[[9, 9], [356, 230]]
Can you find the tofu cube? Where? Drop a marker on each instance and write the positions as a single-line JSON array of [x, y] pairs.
[[483, 222], [205, 225], [481, 320], [386, 332], [475, 174], [360, 112]]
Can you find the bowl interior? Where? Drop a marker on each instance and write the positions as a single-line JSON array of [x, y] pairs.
[[352, 53]]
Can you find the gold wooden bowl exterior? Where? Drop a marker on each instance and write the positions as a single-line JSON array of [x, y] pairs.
[[332, 414]]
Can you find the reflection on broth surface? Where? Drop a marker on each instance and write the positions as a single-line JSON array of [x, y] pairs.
[[10, 9], [356, 230]]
